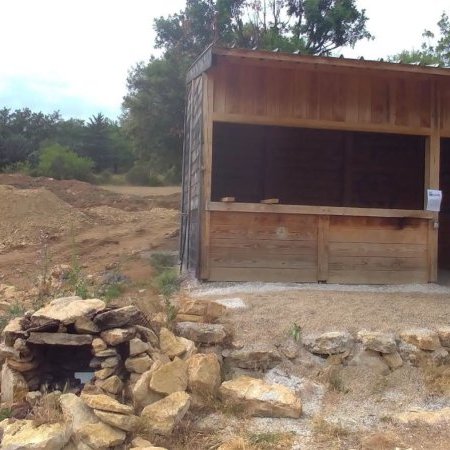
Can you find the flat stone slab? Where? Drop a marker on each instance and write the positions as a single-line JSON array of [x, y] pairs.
[[204, 333], [59, 339], [422, 338], [330, 343], [259, 398], [68, 309], [120, 317]]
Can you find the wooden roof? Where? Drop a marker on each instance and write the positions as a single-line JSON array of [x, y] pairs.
[[206, 60]]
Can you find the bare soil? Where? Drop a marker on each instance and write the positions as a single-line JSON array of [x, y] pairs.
[[66, 218], [143, 191]]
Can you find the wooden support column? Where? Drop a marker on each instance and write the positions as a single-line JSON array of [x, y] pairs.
[[323, 227], [432, 165], [208, 104]]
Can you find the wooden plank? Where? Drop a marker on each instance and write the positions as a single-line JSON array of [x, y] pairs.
[[275, 58], [231, 117], [377, 276], [283, 246], [322, 248], [407, 236], [377, 249], [317, 210], [263, 274], [392, 263]]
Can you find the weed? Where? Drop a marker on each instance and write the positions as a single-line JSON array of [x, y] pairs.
[[15, 310], [76, 278], [44, 265], [47, 410], [296, 332], [269, 440], [332, 376], [328, 432], [437, 378], [167, 283], [113, 291], [5, 413], [162, 262]]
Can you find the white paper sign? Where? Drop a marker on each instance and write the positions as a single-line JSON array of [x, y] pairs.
[[434, 199]]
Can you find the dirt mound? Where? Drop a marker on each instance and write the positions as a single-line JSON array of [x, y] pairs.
[[77, 193], [27, 214]]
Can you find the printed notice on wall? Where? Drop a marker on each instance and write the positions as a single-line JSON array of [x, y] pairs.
[[434, 199]]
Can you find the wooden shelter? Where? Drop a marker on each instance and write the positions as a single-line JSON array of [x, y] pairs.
[[302, 168]]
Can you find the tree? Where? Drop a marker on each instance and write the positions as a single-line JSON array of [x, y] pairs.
[[432, 51], [154, 106]]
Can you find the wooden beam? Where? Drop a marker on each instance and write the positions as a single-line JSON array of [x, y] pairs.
[[319, 210], [432, 168], [322, 248], [319, 124], [276, 57], [208, 98]]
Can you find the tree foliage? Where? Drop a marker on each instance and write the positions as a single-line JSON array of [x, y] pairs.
[[154, 106], [434, 50], [24, 133]]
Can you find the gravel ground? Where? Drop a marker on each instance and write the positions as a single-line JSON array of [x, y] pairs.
[[318, 308]]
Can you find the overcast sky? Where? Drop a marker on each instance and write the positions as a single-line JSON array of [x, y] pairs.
[[74, 55]]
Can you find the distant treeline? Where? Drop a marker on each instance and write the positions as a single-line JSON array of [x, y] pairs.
[[95, 150]]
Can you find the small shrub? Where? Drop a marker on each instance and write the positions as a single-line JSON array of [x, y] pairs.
[[5, 413], [161, 262], [167, 282], [138, 175], [113, 291], [62, 163], [296, 332]]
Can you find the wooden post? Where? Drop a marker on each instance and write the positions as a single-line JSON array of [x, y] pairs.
[[208, 104], [323, 227], [432, 160]]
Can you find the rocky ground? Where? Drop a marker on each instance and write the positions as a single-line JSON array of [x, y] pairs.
[[273, 375]]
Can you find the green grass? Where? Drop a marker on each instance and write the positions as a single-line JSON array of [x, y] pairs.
[[162, 262], [113, 291]]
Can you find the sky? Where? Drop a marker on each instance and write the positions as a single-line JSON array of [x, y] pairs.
[[74, 55]]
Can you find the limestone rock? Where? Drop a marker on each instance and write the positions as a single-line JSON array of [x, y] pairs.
[[409, 352], [204, 374], [170, 377], [393, 360], [329, 343], [162, 416], [24, 435], [427, 417], [189, 318], [444, 336], [113, 384], [170, 344], [190, 347], [377, 341], [14, 330], [22, 366], [121, 421], [110, 362], [141, 393], [139, 364], [117, 336], [422, 338], [106, 353], [203, 333], [253, 359], [102, 374], [7, 351], [140, 442], [259, 398], [105, 403], [60, 339], [116, 318], [88, 431], [98, 345], [137, 346], [440, 356], [147, 335], [14, 387], [83, 325], [68, 309], [370, 360]]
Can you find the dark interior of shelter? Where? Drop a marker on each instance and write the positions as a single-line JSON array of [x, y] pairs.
[[302, 166], [444, 215]]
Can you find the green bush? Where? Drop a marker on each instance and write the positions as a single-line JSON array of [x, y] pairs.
[[143, 174], [167, 282], [60, 162], [162, 261]]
